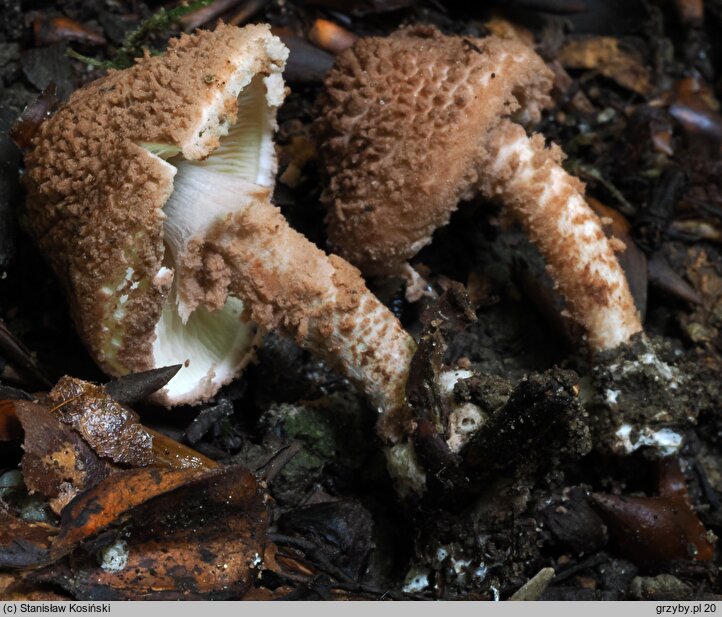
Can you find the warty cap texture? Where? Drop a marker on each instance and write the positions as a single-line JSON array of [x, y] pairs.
[[402, 132], [95, 194]]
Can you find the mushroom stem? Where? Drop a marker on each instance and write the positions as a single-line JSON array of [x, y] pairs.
[[288, 284], [549, 203]]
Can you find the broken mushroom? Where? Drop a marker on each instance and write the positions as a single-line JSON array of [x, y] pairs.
[[149, 193], [413, 123]]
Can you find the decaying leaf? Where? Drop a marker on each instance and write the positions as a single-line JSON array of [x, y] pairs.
[[98, 508], [49, 30], [341, 531], [611, 58], [112, 430], [57, 462], [164, 534], [168, 452], [22, 544], [35, 595]]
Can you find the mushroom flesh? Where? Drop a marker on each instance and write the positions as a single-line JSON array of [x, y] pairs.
[[149, 193]]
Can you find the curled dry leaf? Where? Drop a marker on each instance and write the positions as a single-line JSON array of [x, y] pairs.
[[169, 453], [611, 58], [111, 430], [180, 534], [97, 509], [57, 463]]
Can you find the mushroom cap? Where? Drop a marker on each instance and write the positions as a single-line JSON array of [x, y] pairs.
[[95, 194], [402, 124]]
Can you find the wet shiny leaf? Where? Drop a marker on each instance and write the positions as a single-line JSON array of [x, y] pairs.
[[112, 430], [662, 528], [168, 535]]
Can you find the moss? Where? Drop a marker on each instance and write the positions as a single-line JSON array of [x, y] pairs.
[[137, 40], [336, 432]]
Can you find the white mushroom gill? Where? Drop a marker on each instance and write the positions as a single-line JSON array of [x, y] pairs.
[[226, 243], [212, 343]]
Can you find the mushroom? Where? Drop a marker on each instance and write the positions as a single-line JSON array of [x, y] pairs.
[[149, 194], [413, 123]]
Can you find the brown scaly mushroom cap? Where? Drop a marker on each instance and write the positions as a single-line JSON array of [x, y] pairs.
[[415, 122], [97, 185], [149, 193]]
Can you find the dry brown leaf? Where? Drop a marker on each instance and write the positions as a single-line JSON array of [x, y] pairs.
[[611, 58], [57, 462]]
